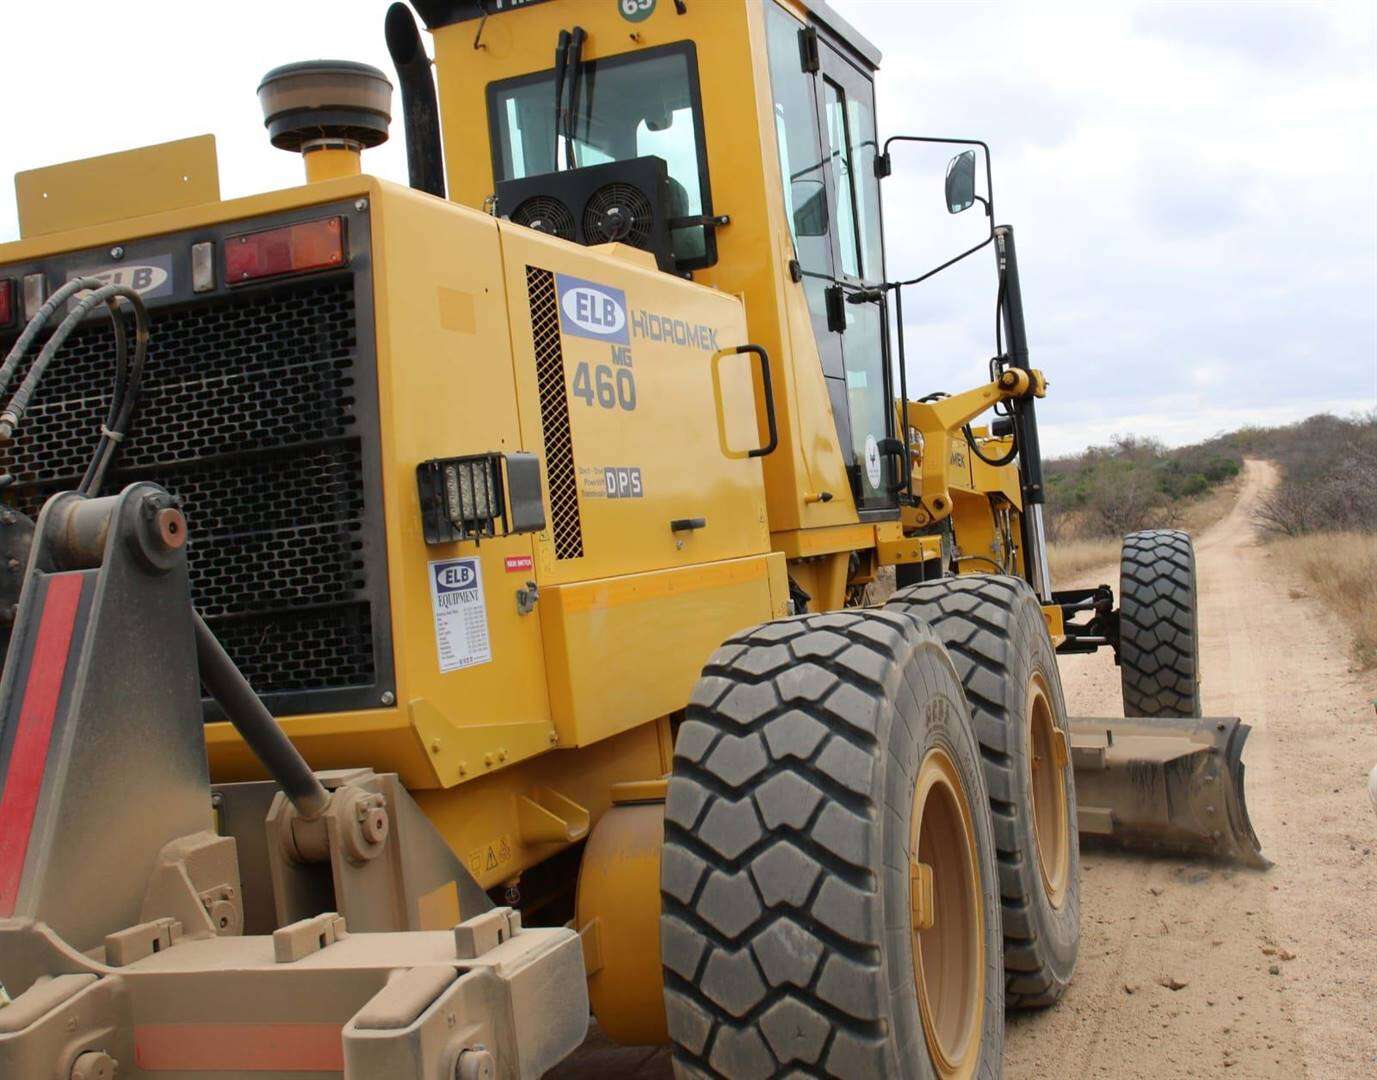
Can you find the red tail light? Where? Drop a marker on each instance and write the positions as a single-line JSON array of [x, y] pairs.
[[292, 249], [6, 302]]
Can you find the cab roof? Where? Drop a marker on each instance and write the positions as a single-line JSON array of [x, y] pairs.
[[438, 13]]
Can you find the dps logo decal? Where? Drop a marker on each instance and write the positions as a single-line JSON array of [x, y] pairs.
[[590, 310], [150, 279]]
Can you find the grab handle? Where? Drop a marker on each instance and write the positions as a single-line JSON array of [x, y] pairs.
[[764, 359]]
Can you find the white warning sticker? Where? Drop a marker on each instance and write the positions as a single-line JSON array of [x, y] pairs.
[[461, 617]]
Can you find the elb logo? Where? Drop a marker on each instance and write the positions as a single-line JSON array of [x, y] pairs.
[[451, 577], [589, 310]]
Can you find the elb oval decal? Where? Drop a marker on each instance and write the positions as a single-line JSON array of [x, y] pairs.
[[454, 576], [590, 310]]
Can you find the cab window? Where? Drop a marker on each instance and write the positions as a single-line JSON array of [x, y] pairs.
[[638, 104]]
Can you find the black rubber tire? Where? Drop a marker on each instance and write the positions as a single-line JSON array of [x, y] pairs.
[[784, 875], [993, 629], [1159, 627]]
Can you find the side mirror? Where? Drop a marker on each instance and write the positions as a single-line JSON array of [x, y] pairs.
[[961, 182], [810, 208]]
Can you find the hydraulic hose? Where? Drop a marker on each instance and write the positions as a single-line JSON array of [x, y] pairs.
[[128, 375]]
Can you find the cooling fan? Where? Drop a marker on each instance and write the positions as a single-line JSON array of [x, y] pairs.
[[621, 213], [547, 215]]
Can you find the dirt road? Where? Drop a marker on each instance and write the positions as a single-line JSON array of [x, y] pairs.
[[1280, 967]]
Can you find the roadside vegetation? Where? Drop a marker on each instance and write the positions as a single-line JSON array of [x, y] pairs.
[[1098, 495], [1320, 519]]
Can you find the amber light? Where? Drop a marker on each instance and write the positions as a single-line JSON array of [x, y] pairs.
[[6, 302], [292, 249]]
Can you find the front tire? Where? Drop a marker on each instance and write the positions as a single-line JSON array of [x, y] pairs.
[[1159, 627], [828, 876], [993, 629]]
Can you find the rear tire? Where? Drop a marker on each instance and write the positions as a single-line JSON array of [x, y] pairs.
[[786, 879], [993, 629], [1159, 638]]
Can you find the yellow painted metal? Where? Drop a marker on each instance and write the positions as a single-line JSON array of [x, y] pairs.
[[117, 187], [947, 918], [332, 163], [619, 916], [676, 391], [639, 791], [1047, 782], [946, 459], [480, 820], [893, 547], [753, 251], [823, 578], [1056, 627], [621, 651]]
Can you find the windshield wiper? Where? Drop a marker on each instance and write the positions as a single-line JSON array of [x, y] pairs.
[[575, 83], [561, 66]]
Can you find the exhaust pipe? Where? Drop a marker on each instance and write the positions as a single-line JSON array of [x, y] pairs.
[[420, 113], [1167, 786]]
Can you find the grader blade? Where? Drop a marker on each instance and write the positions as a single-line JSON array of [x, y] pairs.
[[1173, 786]]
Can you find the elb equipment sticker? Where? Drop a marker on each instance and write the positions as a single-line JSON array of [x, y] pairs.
[[590, 310], [461, 617]]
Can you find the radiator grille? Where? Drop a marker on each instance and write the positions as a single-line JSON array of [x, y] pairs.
[[554, 415], [248, 412]]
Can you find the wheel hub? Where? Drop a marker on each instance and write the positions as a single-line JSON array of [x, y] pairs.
[[1047, 761], [948, 917]]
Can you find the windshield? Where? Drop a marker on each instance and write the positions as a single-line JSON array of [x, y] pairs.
[[635, 105]]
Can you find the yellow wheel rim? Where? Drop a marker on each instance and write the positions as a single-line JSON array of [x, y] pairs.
[[1047, 787], [948, 917]]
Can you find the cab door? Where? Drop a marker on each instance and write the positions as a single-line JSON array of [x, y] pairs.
[[825, 129], [846, 109]]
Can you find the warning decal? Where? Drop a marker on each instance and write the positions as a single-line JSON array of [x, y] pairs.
[[461, 617]]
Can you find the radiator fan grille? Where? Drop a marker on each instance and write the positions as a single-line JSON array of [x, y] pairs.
[[618, 212], [547, 215]]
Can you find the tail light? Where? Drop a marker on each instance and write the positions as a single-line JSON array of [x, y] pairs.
[[291, 249]]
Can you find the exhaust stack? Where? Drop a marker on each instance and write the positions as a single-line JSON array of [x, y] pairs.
[[329, 111]]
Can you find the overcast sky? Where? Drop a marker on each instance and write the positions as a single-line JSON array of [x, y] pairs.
[[1193, 185]]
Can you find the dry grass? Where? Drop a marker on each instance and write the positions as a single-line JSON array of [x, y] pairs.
[[1341, 568], [1071, 560]]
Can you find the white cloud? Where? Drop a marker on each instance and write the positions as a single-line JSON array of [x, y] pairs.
[[1194, 185]]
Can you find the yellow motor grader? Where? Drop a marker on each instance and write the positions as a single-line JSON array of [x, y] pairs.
[[434, 612]]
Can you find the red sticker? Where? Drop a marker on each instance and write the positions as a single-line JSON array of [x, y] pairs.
[[518, 564]]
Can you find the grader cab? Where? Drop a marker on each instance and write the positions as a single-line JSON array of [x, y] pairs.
[[436, 612]]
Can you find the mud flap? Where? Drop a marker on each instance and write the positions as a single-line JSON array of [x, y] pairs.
[[1173, 786]]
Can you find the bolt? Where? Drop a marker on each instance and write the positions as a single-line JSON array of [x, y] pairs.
[[389, 698], [475, 1064], [434, 746], [117, 252], [97, 1065], [360, 204], [217, 800]]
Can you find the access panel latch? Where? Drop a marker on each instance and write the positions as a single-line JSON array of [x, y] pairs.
[[479, 495]]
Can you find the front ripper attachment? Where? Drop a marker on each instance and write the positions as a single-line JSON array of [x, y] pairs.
[[1171, 786]]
